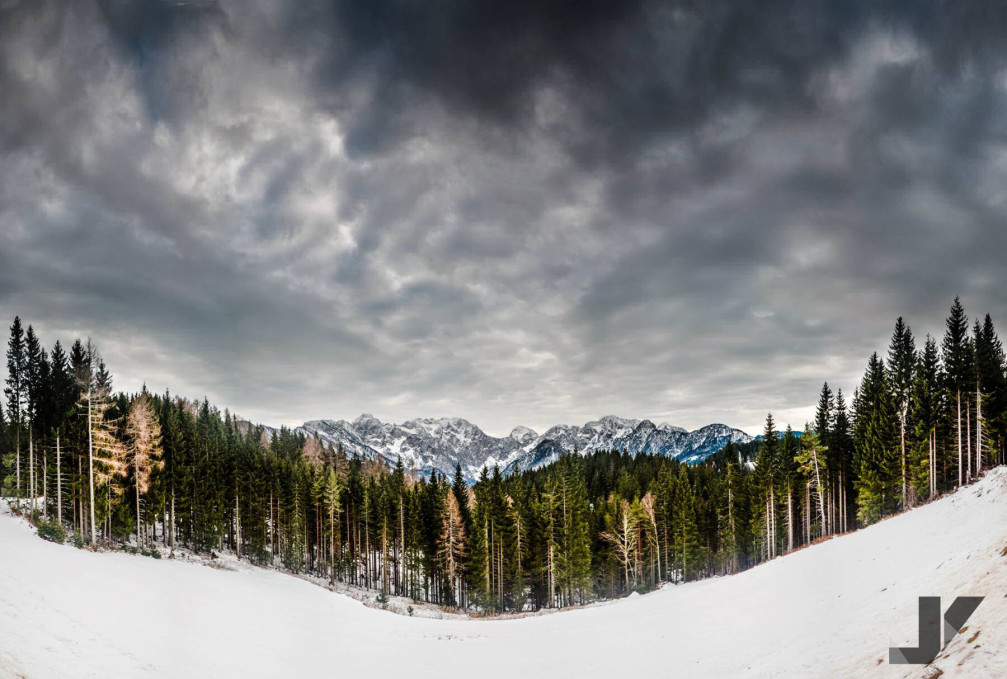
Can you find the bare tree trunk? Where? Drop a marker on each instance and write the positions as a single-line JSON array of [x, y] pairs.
[[90, 467], [807, 511], [979, 432], [45, 485], [902, 442], [17, 461], [172, 553], [968, 439], [790, 519], [842, 501], [960, 460], [237, 524], [402, 546], [31, 470], [59, 483]]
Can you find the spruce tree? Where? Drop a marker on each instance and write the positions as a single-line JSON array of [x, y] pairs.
[[689, 550], [875, 443], [841, 452], [15, 391], [926, 418], [990, 391], [957, 354], [824, 413], [901, 362], [767, 469]]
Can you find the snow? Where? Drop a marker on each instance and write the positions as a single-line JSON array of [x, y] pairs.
[[832, 609], [428, 444]]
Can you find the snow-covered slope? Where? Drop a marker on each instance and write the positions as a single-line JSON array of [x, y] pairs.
[[427, 444], [830, 610]]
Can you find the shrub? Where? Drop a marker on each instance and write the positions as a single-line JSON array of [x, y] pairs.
[[52, 531]]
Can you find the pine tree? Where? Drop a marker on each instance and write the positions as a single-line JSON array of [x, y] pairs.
[[330, 495], [841, 452], [901, 362], [787, 475], [824, 416], [689, 551], [990, 389], [16, 392], [875, 443], [926, 417], [957, 352], [767, 471]]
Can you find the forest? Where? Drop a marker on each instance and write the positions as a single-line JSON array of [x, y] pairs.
[[157, 473]]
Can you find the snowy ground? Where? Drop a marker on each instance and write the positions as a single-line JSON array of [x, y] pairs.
[[827, 611]]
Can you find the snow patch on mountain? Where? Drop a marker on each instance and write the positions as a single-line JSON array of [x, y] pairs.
[[426, 445]]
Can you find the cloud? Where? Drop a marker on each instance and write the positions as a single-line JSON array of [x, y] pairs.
[[533, 212]]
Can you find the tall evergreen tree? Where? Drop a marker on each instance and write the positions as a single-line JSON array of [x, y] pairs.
[[901, 362], [926, 418], [875, 443], [16, 392], [841, 452], [989, 391], [767, 471], [824, 414], [957, 353]]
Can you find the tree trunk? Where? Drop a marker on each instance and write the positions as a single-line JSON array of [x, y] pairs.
[[960, 460], [45, 485], [237, 523], [902, 443], [17, 460], [90, 467], [790, 519], [172, 554], [979, 432], [59, 483], [31, 470], [968, 439]]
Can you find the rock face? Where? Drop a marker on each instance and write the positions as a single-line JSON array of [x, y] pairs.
[[428, 444]]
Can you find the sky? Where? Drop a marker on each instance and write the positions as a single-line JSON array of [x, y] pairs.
[[522, 213]]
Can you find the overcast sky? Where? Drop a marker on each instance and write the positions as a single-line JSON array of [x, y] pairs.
[[525, 212]]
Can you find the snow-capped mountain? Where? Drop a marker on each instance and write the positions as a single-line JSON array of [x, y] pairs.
[[631, 436], [423, 444], [428, 444]]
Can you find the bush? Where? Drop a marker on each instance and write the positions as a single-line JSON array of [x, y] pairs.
[[52, 531], [78, 541], [383, 599], [152, 552]]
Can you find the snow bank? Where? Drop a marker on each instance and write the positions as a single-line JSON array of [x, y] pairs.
[[831, 610]]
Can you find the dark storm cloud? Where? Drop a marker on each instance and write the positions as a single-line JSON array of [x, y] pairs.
[[523, 212]]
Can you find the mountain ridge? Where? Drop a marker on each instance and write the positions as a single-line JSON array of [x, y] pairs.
[[427, 444]]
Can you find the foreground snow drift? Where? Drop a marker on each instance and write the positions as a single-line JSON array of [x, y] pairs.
[[827, 611]]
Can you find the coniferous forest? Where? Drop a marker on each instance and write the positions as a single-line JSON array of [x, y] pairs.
[[163, 473]]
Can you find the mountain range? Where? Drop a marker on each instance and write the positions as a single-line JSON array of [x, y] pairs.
[[428, 444]]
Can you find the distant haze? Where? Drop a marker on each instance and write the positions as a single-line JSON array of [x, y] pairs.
[[518, 213]]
